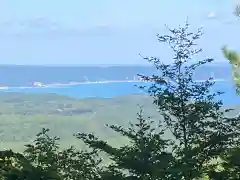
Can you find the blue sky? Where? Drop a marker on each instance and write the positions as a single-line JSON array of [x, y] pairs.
[[106, 31]]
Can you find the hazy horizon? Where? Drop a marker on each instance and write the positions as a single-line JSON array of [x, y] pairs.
[[147, 64], [107, 32]]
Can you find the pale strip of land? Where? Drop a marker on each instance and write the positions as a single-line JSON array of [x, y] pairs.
[[89, 82], [110, 81]]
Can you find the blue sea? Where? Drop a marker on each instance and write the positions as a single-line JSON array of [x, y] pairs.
[[16, 77], [111, 90]]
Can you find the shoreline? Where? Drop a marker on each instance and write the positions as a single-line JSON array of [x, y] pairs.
[[40, 85], [67, 84]]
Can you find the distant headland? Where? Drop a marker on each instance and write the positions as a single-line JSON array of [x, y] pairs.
[[58, 84], [39, 84]]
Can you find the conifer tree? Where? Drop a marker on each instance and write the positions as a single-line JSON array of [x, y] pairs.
[[201, 134], [145, 157], [191, 112], [234, 58], [44, 160]]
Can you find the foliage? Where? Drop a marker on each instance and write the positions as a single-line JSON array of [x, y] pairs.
[[230, 166], [43, 160], [234, 57], [146, 156], [234, 60], [190, 112], [204, 143], [237, 10]]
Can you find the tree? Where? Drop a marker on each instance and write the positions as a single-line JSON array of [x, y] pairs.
[[203, 143], [43, 160], [190, 113], [237, 10], [144, 158], [231, 165], [190, 110], [234, 58]]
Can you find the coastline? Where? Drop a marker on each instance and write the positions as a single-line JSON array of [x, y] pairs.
[[68, 84], [52, 85]]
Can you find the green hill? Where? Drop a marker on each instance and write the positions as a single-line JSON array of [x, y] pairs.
[[22, 116]]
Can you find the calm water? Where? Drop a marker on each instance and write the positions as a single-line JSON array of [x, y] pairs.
[[109, 90], [26, 75]]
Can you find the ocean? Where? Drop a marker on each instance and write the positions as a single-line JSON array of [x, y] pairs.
[[11, 75], [16, 77], [114, 89]]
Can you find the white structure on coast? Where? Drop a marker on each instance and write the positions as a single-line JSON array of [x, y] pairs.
[[38, 84]]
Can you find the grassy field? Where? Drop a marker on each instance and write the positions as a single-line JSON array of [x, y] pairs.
[[22, 116]]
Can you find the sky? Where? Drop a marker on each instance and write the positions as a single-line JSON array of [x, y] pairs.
[[77, 32]]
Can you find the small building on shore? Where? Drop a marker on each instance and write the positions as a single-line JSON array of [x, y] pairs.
[[38, 84]]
